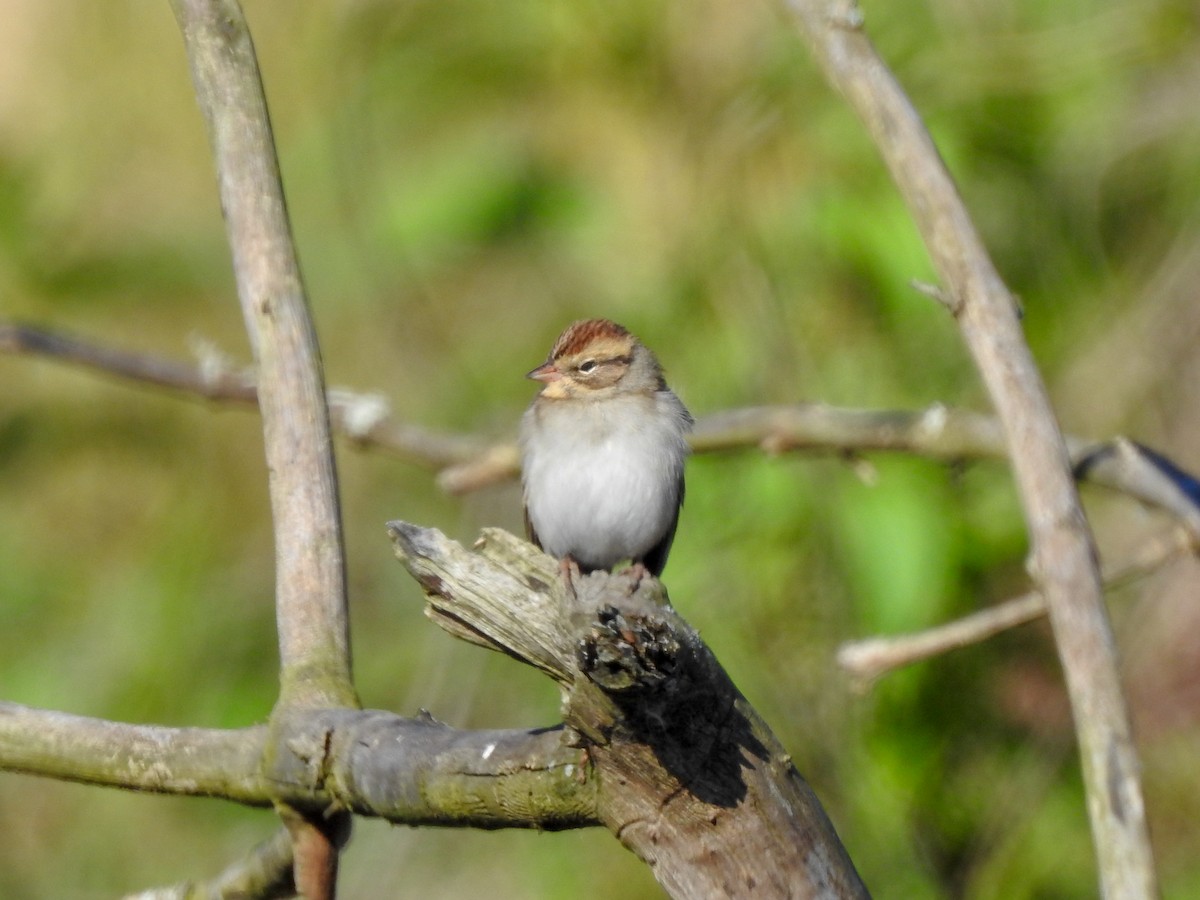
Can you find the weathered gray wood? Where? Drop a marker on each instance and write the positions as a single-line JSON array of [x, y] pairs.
[[687, 775], [1063, 559], [310, 569]]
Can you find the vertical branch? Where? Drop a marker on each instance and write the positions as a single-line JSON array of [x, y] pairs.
[[1063, 556], [310, 576], [315, 845], [310, 598]]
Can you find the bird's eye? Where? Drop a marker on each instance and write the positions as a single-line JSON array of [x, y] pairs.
[[587, 366]]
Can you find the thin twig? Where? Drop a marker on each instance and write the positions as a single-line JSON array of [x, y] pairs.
[[364, 418], [869, 659], [1063, 560], [213, 379], [467, 462], [265, 873]]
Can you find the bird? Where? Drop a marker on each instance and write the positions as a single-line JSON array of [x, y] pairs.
[[603, 446]]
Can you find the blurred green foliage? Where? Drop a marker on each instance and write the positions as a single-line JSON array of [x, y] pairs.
[[464, 179]]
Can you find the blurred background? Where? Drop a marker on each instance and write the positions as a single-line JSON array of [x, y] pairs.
[[467, 177]]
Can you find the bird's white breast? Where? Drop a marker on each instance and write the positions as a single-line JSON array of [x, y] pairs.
[[602, 479]]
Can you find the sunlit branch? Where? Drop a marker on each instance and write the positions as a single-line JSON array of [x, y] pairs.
[[408, 771], [466, 462], [1062, 550], [868, 659], [310, 570], [363, 418], [687, 775], [191, 761]]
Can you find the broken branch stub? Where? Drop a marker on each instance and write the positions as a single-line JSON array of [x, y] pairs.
[[689, 777]]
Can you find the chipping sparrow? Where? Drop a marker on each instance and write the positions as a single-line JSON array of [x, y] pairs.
[[602, 448]]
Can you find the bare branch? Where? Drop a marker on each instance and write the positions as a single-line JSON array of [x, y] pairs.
[[215, 382], [265, 873], [1063, 555], [409, 771], [310, 566], [686, 774], [468, 462], [366, 419], [194, 761], [501, 596], [423, 772], [1126, 466], [869, 659]]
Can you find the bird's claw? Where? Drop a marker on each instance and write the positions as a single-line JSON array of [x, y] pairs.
[[636, 572], [569, 569]]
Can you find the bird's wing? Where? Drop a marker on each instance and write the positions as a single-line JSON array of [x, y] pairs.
[[656, 559], [529, 532]]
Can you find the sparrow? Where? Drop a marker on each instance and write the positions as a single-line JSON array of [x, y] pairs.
[[602, 451]]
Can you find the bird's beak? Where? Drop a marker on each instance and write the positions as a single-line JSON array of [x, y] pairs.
[[545, 373]]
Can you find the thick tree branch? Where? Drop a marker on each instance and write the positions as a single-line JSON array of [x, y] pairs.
[[687, 775], [409, 771], [1063, 556], [422, 772], [310, 566]]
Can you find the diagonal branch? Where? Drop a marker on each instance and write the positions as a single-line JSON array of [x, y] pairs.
[[263, 874], [871, 658], [1063, 555], [687, 775]]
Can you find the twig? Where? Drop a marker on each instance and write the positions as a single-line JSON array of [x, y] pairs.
[[867, 660], [213, 379], [1126, 466], [364, 418], [1063, 559], [316, 843], [467, 462], [265, 873]]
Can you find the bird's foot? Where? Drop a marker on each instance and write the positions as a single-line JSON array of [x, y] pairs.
[[637, 571], [569, 569]]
